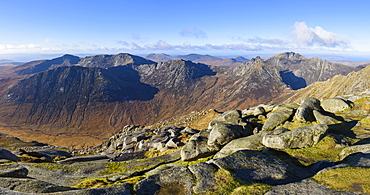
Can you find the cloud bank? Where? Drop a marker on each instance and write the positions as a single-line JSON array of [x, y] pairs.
[[305, 38], [316, 37]]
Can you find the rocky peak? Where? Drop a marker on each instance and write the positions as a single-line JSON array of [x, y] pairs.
[[172, 74], [107, 61], [298, 71], [65, 60]]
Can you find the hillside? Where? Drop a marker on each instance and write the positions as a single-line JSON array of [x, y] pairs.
[[68, 98], [353, 83], [96, 102], [299, 72], [205, 59]]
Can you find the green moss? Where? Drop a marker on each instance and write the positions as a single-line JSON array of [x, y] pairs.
[[155, 153], [252, 189], [188, 163], [114, 167], [296, 124], [362, 101], [93, 183], [227, 183], [353, 179], [133, 180], [324, 150]]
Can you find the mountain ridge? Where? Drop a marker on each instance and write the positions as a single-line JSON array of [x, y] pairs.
[[100, 94]]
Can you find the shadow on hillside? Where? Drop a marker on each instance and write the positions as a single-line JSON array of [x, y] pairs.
[[292, 80], [130, 85]]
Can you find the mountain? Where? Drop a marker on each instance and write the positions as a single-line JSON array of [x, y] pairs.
[[100, 61], [298, 71], [90, 98], [43, 65], [350, 63], [353, 83], [95, 97], [205, 59]]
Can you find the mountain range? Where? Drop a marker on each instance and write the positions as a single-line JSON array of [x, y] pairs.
[[62, 100], [205, 59]]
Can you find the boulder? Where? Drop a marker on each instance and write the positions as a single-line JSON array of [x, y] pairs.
[[270, 167], [120, 189], [229, 117], [312, 103], [357, 160], [301, 137], [47, 154], [221, 133], [365, 148], [28, 185], [304, 114], [335, 126], [13, 170], [252, 142], [335, 105], [204, 174], [174, 181], [84, 159], [275, 119], [6, 154], [197, 147], [307, 186], [157, 143]]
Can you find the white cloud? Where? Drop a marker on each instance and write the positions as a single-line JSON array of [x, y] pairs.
[[316, 37], [9, 47], [193, 32], [163, 45], [259, 40]]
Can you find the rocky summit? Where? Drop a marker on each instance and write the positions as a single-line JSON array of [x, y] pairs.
[[310, 147]]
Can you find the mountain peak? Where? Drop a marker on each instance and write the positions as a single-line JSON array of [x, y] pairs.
[[288, 55]]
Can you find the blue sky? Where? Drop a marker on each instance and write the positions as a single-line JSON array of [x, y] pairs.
[[225, 28]]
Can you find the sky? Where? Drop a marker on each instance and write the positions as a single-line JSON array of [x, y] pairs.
[[335, 29]]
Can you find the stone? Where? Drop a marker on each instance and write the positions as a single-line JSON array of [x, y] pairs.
[[307, 187], [6, 154], [304, 114], [275, 119], [228, 117], [13, 170], [221, 133], [204, 174], [83, 159], [28, 185], [312, 103], [364, 148], [357, 160], [259, 111], [197, 147], [270, 167], [47, 154], [335, 105], [174, 181], [301, 137], [335, 126], [252, 142]]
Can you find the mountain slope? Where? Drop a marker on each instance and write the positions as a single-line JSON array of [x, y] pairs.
[[76, 100], [298, 71], [99, 61], [205, 59], [353, 83]]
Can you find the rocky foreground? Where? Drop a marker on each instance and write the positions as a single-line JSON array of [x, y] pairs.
[[312, 147]]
